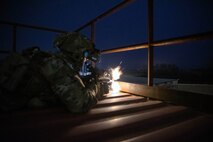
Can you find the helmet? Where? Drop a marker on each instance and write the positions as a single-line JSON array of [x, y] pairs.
[[76, 46]]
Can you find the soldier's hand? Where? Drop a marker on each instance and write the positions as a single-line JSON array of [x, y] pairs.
[[105, 85]]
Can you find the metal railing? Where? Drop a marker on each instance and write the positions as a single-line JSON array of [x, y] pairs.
[[15, 26], [199, 101], [103, 15], [150, 44]]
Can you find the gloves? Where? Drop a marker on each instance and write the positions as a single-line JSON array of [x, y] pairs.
[[104, 85]]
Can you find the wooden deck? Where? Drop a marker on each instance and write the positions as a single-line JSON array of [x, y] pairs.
[[118, 117]]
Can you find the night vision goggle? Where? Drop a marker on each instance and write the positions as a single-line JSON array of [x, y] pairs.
[[87, 63]]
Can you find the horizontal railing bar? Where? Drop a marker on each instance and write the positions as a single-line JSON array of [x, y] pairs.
[[32, 27], [178, 40], [184, 39], [125, 48], [107, 13]]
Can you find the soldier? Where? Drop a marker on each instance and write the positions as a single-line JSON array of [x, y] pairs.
[[40, 79]]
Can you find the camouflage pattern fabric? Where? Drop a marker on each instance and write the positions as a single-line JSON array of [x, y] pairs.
[[39, 79], [12, 71], [44, 81]]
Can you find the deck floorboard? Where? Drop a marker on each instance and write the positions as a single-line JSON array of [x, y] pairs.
[[118, 117]]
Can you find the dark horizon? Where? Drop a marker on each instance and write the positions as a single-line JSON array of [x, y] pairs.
[[127, 26]]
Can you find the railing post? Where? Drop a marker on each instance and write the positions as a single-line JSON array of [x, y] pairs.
[[93, 32], [150, 40], [14, 38]]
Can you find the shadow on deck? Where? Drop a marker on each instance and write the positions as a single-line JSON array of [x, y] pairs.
[[118, 117]]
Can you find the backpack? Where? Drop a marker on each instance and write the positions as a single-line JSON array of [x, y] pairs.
[[12, 71]]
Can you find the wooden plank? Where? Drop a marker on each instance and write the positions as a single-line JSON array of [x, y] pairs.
[[120, 101], [36, 119], [113, 122], [201, 102], [123, 124], [183, 131], [117, 95], [127, 108], [121, 121]]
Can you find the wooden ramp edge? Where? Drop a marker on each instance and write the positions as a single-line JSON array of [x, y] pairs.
[[118, 117]]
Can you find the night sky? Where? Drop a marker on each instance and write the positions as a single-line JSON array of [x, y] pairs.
[[172, 18]]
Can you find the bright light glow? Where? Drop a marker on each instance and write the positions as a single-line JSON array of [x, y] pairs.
[[116, 73], [115, 87]]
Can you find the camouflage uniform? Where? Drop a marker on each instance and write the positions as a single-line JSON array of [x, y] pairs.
[[40, 79]]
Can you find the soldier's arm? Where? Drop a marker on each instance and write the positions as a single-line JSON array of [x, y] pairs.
[[69, 88], [74, 95]]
